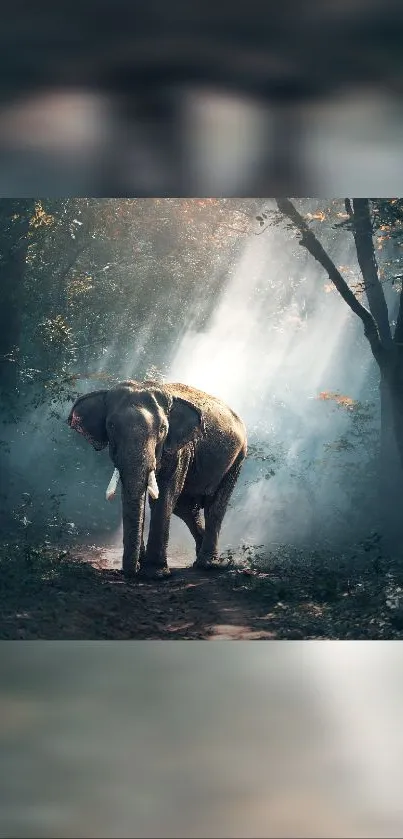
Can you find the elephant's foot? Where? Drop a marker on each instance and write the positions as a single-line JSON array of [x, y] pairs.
[[209, 563], [154, 572], [130, 571]]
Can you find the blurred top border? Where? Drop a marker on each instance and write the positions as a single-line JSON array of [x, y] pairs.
[[130, 99]]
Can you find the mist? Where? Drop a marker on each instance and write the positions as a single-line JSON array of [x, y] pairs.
[[269, 352]]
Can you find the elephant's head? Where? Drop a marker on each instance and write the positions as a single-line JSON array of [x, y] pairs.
[[140, 422]]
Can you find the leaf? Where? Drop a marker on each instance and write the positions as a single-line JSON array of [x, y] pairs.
[[340, 399], [319, 216]]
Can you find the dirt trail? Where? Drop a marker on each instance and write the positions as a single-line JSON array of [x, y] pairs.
[[188, 605], [79, 593]]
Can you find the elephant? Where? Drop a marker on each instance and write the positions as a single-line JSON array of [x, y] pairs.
[[184, 446]]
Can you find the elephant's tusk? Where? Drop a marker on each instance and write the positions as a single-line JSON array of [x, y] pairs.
[[112, 486], [153, 486]]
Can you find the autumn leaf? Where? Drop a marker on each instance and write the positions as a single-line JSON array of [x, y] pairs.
[[340, 399], [40, 217], [79, 285]]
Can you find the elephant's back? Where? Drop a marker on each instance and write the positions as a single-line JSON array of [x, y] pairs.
[[219, 418]]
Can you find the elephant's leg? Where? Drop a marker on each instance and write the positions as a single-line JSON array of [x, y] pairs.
[[142, 554], [214, 511], [155, 562], [190, 512]]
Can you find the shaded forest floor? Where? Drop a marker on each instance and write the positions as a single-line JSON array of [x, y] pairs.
[[80, 594]]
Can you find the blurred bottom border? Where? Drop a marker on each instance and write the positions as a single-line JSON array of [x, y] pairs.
[[190, 739]]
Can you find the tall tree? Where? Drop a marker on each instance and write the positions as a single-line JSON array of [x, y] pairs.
[[14, 229], [385, 338]]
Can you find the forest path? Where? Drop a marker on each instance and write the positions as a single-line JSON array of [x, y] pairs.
[[190, 604], [79, 593]]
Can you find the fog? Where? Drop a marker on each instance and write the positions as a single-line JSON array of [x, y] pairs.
[[269, 352]]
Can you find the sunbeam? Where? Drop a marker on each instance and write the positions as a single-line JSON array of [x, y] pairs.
[[273, 344]]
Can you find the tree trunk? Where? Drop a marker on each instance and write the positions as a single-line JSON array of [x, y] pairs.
[[387, 351], [390, 461], [393, 375], [14, 224], [362, 232]]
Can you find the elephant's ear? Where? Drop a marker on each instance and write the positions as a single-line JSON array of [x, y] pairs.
[[163, 398], [88, 417], [185, 423]]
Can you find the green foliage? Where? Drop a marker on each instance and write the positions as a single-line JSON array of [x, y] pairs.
[[362, 429], [93, 265], [354, 594], [267, 457], [154, 374], [101, 290], [55, 333], [54, 528]]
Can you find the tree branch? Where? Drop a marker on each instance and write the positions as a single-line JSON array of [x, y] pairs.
[[312, 244], [349, 209], [362, 232]]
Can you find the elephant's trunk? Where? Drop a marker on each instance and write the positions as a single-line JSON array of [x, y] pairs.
[[133, 510]]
